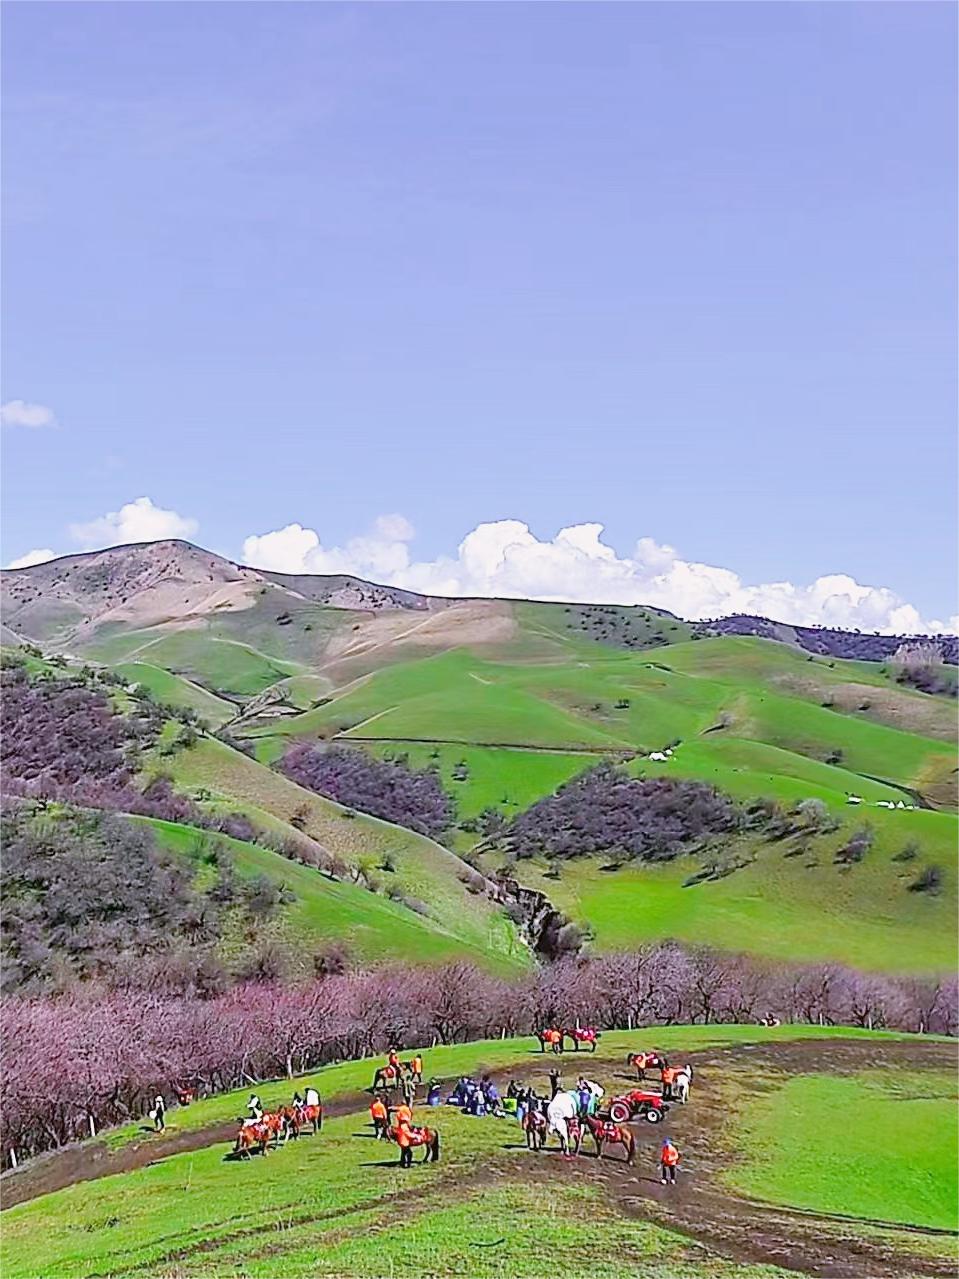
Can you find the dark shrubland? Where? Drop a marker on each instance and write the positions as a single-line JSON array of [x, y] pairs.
[[389, 789], [605, 811], [88, 895]]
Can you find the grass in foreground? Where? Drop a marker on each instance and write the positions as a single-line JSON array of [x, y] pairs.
[[869, 1145]]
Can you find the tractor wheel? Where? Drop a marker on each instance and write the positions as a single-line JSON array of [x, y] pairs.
[[653, 1116], [619, 1112]]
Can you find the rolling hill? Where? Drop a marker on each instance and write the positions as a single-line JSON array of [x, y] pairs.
[[507, 700]]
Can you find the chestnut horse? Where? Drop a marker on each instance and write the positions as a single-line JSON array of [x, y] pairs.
[[646, 1061], [258, 1135], [406, 1138], [586, 1035], [534, 1125], [605, 1133]]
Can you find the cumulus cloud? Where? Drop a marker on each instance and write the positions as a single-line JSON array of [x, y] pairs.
[[380, 554], [504, 558], [137, 521], [22, 413], [38, 556]]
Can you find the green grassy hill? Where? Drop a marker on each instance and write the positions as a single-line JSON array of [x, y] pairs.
[[810, 1119], [374, 927], [508, 700]]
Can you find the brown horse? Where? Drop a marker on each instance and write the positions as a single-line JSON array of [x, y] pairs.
[[406, 1138], [310, 1115], [552, 1037], [255, 1136], [585, 1035], [605, 1133], [386, 1077], [646, 1061]]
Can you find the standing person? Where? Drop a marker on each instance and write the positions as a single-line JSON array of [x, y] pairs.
[[668, 1159], [403, 1116], [416, 1069], [159, 1113], [379, 1116], [554, 1082], [667, 1075], [408, 1088]]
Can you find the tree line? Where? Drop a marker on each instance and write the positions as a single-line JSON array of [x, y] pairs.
[[76, 1063]]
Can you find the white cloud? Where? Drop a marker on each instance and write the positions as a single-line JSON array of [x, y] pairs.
[[505, 558], [137, 521], [380, 554], [39, 556], [22, 413]]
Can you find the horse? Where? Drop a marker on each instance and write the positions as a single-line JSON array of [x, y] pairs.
[[254, 1136], [552, 1037], [646, 1061], [406, 1138], [582, 1035], [681, 1082], [605, 1133], [296, 1117], [386, 1077], [535, 1127]]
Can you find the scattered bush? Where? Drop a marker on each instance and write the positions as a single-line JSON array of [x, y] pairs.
[[927, 881]]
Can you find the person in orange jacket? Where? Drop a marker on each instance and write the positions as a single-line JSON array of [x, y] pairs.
[[667, 1075], [668, 1160], [416, 1069], [402, 1116], [380, 1117], [393, 1060]]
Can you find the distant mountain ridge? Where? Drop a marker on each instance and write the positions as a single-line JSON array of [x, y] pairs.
[[147, 584]]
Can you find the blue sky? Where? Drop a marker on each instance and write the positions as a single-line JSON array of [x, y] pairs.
[[685, 271]]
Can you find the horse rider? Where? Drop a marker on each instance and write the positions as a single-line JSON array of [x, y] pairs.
[[255, 1108], [591, 1094], [311, 1097]]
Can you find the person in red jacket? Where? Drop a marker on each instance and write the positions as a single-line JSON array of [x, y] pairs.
[[668, 1160]]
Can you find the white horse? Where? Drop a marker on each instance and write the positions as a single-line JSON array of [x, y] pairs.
[[560, 1110], [681, 1083]]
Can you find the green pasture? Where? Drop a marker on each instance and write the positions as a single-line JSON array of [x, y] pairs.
[[448, 1061], [229, 780], [230, 667], [375, 928], [176, 690], [338, 1204], [872, 1145], [791, 901]]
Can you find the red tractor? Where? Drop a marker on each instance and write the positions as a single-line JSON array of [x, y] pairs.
[[638, 1104]]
